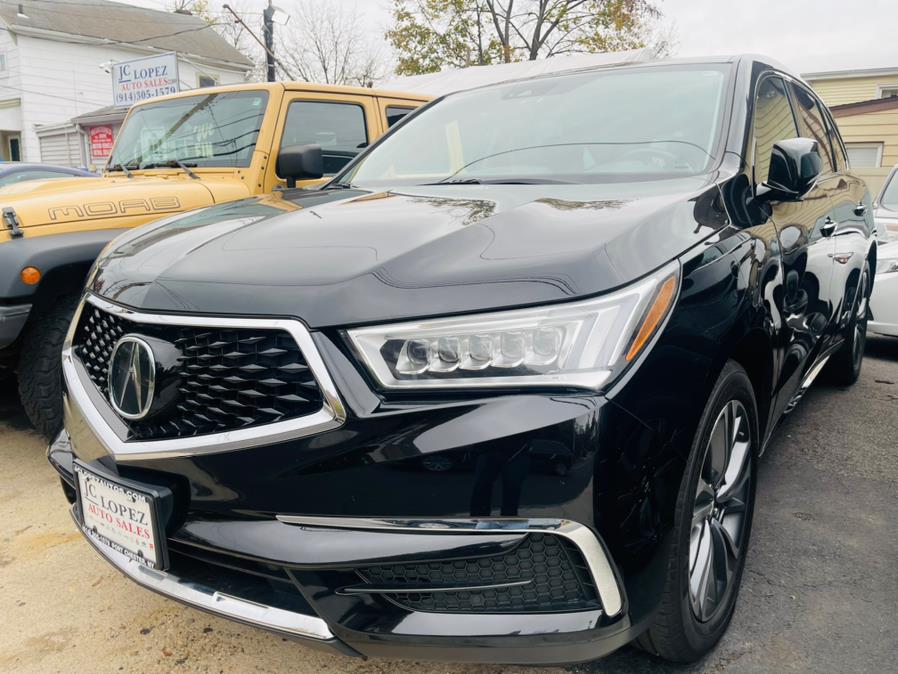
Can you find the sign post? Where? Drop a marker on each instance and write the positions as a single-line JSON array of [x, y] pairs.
[[139, 79]]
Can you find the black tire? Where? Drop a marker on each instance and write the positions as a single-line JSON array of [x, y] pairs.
[[677, 633], [844, 366], [40, 365]]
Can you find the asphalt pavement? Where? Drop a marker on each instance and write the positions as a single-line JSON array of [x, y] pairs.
[[820, 593]]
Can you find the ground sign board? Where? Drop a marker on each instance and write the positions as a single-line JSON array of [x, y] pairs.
[[139, 79]]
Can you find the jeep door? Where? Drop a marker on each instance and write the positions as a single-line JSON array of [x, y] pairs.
[[342, 124]]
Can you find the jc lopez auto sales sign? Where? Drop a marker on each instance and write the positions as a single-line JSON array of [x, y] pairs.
[[140, 79]]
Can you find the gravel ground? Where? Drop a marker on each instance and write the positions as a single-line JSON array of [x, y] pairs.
[[820, 592]]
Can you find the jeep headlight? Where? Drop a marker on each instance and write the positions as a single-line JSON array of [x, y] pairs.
[[579, 344]]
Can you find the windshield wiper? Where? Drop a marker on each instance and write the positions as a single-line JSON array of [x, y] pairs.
[[120, 167], [173, 163]]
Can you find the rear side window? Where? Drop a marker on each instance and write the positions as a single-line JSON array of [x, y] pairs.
[[339, 128], [396, 113], [813, 125], [774, 121]]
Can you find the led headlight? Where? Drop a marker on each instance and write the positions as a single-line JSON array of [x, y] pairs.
[[579, 344]]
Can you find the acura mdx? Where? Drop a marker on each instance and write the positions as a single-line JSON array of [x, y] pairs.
[[497, 391]]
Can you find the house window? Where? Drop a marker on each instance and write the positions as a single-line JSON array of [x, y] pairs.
[[888, 92], [203, 80], [864, 155], [3, 67]]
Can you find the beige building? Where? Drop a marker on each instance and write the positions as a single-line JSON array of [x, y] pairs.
[[865, 105]]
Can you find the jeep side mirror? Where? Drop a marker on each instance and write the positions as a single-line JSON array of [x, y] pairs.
[[795, 165], [300, 162]]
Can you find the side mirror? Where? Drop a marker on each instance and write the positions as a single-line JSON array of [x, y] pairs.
[[300, 162], [795, 165]]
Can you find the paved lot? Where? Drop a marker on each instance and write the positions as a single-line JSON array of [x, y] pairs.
[[820, 592]]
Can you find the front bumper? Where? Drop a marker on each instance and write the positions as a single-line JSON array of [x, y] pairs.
[[12, 320], [226, 567]]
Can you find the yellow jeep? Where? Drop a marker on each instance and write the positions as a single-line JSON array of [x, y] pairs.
[[173, 154]]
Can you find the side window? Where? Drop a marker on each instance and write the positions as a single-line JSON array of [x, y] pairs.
[[773, 122], [840, 152], [811, 119], [339, 128], [395, 113]]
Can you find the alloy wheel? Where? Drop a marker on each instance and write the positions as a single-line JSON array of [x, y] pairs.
[[719, 511]]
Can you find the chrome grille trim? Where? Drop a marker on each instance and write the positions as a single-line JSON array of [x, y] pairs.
[[331, 415], [592, 549]]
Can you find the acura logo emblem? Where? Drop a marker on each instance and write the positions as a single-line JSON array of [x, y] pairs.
[[132, 377]]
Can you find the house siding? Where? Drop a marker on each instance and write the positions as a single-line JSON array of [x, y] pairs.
[[61, 80], [842, 90], [873, 127]]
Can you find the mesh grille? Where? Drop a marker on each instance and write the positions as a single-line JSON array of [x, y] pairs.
[[560, 580], [226, 378]]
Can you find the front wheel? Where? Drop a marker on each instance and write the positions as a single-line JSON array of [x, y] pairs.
[[712, 526], [40, 365]]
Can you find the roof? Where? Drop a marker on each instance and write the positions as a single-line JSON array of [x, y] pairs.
[[116, 23], [288, 86], [856, 72], [862, 107], [458, 79], [108, 113]]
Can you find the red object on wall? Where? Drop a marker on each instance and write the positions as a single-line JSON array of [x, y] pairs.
[[100, 141]]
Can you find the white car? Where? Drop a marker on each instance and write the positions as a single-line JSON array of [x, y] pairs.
[[885, 213], [884, 302]]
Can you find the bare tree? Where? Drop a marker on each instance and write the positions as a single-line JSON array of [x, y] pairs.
[[325, 42]]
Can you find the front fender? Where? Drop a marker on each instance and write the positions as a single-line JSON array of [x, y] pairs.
[[46, 253]]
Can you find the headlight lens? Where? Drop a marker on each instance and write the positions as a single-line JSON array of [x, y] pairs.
[[887, 266], [578, 344]]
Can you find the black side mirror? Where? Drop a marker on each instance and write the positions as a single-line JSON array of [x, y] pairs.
[[795, 165], [300, 162]]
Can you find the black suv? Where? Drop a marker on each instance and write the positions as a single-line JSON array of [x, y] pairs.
[[497, 392]]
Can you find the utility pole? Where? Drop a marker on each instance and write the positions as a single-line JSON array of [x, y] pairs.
[[268, 34]]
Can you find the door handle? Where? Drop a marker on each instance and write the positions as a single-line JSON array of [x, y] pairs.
[[828, 227], [860, 209]]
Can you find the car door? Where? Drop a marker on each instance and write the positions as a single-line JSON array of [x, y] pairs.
[[804, 232], [855, 227], [850, 204]]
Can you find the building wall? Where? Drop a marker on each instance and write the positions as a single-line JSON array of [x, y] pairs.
[[851, 89], [61, 80], [873, 127]]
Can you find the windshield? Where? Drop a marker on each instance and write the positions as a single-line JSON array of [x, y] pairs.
[[889, 197], [589, 127], [203, 130]]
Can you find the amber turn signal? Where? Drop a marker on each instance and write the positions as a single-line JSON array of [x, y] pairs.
[[31, 276], [653, 317]]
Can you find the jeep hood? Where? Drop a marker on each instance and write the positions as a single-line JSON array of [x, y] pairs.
[[344, 257], [132, 201]]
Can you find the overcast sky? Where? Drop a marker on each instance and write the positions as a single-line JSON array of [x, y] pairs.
[[806, 35]]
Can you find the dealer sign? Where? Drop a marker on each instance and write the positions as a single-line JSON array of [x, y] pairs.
[[137, 80]]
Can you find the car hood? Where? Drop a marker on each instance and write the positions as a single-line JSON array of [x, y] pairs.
[[345, 257], [61, 201]]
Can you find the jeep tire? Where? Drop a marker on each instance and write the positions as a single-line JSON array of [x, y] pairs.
[[40, 365]]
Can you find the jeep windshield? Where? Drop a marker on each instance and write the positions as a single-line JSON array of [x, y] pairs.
[[216, 129], [628, 124]]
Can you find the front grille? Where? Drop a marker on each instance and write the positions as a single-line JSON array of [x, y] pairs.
[[224, 378], [560, 580]]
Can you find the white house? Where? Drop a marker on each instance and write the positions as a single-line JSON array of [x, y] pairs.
[[55, 58]]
